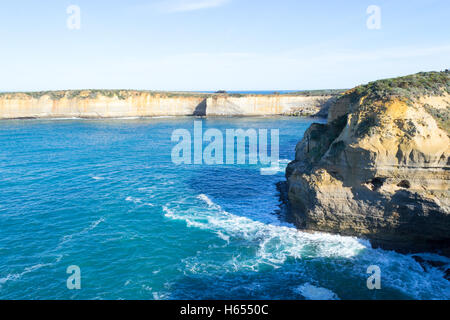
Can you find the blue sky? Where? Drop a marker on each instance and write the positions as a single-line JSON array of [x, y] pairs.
[[218, 44]]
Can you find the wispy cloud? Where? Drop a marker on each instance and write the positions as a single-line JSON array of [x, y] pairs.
[[189, 5]]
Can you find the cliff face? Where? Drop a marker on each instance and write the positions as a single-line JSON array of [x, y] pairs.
[[380, 167], [266, 105], [105, 104]]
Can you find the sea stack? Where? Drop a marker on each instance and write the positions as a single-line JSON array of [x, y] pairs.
[[379, 169]]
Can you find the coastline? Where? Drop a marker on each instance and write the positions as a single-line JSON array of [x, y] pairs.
[[123, 104], [379, 169]]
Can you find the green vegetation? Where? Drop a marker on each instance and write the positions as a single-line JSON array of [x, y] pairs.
[[124, 94], [300, 113], [442, 117], [407, 88], [315, 93], [93, 93]]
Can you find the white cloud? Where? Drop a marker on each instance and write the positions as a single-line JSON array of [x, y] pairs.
[[190, 5]]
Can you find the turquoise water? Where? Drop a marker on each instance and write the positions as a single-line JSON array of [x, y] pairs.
[[105, 196]]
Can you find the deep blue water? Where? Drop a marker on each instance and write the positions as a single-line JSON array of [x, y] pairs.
[[105, 196]]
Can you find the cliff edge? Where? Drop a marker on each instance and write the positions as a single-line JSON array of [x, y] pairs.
[[131, 103], [380, 168]]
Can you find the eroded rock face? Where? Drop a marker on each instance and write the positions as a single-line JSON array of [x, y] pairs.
[[129, 103], [379, 169]]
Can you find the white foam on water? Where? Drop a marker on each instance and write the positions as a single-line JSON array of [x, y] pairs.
[[147, 189], [94, 225], [433, 257], [278, 241], [269, 170], [147, 288], [403, 273], [223, 237], [156, 296], [134, 200], [10, 277], [209, 202], [17, 276], [172, 215], [91, 227], [279, 167], [311, 292], [98, 178]]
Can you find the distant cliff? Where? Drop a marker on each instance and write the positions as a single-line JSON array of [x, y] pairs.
[[127, 103], [380, 167]]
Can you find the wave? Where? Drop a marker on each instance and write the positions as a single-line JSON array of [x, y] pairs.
[[310, 292], [278, 242], [132, 199], [17, 276], [91, 227], [280, 166], [65, 239]]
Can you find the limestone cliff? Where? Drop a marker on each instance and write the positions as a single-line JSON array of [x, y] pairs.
[[126, 103], [380, 167]]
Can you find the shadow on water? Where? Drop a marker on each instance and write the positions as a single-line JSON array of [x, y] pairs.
[[249, 200]]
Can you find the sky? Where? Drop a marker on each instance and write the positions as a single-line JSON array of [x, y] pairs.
[[197, 45]]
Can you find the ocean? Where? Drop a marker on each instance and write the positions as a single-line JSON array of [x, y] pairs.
[[105, 196]]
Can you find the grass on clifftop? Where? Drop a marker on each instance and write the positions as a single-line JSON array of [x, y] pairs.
[[315, 93], [409, 87], [442, 117], [95, 93], [124, 94]]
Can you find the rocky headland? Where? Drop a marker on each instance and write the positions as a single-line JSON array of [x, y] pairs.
[[379, 169], [131, 103]]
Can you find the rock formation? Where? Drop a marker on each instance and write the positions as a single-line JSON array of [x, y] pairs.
[[380, 168], [127, 103]]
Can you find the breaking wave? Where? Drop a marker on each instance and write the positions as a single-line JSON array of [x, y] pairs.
[[310, 292], [278, 242]]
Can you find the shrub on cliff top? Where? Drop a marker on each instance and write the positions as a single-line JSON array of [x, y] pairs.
[[95, 93], [314, 93], [442, 117], [408, 88]]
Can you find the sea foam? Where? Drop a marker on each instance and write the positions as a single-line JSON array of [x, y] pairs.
[[312, 292], [277, 242]]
